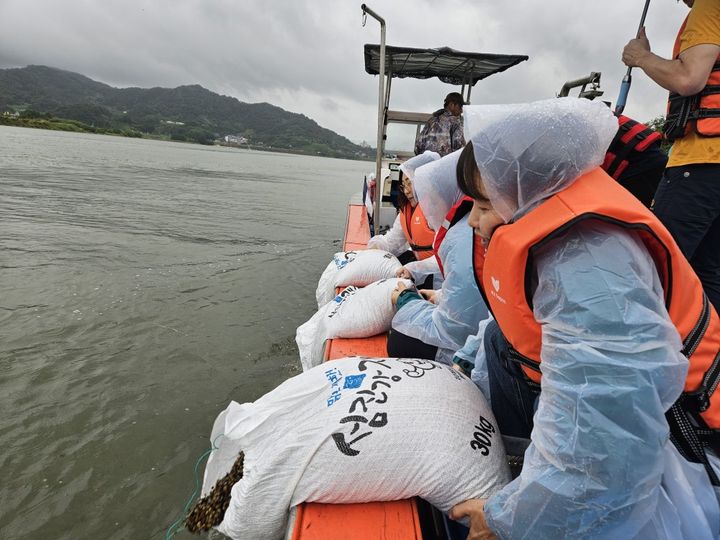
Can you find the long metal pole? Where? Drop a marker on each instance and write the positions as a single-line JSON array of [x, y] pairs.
[[380, 120], [627, 79]]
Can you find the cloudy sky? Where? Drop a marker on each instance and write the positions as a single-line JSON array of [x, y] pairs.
[[306, 56]]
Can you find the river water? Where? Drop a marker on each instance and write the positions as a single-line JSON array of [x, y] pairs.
[[143, 285]]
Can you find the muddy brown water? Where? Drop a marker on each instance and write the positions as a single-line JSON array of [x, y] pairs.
[[144, 285]]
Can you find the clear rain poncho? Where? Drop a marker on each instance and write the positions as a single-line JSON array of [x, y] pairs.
[[394, 239], [428, 266], [600, 464], [460, 306]]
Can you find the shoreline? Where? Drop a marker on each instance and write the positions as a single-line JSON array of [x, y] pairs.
[[146, 136], [75, 126]]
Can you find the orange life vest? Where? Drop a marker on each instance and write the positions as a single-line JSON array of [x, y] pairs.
[[504, 274], [631, 136], [700, 112], [455, 214], [417, 231]]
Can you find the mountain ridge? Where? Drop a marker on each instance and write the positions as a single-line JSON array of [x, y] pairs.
[[188, 112]]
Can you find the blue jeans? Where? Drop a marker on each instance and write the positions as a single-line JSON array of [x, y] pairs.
[[687, 202], [512, 398]]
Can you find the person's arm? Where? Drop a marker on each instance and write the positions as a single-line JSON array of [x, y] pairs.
[[419, 270], [393, 240], [460, 307], [457, 138], [421, 141], [471, 358], [465, 356], [685, 75], [611, 367]]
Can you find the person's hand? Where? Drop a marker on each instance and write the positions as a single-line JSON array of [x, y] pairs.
[[396, 293], [474, 509], [429, 295], [403, 273], [457, 368], [636, 50]]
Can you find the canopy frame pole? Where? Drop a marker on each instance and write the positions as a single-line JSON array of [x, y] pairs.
[[470, 83], [386, 106], [381, 119]]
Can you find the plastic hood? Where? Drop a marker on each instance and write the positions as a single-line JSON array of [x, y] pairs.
[[436, 188], [528, 152], [409, 166]]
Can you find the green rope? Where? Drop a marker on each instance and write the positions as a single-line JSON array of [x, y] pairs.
[[177, 525]]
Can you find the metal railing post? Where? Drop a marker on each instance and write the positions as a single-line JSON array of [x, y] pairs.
[[381, 118]]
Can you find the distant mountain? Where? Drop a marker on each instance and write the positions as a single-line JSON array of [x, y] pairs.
[[190, 113]]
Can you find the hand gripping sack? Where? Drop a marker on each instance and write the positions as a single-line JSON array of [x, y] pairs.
[[354, 313], [357, 268], [356, 430]]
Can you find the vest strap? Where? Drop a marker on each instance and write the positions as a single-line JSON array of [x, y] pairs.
[[710, 90], [701, 114], [686, 110], [631, 137], [688, 431], [693, 338], [678, 116], [685, 436], [623, 153], [528, 363], [699, 400]]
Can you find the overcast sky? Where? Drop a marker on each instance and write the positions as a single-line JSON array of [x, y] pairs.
[[306, 56]]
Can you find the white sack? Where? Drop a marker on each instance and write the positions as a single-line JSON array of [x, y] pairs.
[[354, 313], [356, 430], [357, 268]]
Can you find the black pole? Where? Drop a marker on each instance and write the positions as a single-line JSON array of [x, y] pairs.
[[627, 79]]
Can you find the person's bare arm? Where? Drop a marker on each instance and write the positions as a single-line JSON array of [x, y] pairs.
[[686, 75]]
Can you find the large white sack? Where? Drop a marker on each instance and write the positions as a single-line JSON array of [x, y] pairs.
[[356, 430], [357, 268], [354, 313]]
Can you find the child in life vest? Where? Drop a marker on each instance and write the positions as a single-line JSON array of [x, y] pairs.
[[436, 324], [597, 333]]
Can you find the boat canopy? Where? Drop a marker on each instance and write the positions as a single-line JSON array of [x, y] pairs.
[[448, 65]]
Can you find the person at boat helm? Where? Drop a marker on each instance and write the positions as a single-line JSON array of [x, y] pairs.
[[688, 198], [604, 352], [410, 229], [443, 133]]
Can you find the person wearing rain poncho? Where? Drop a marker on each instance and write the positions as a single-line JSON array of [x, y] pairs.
[[592, 342], [435, 326], [410, 237]]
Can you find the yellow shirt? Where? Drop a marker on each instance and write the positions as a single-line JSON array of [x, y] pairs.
[[703, 27]]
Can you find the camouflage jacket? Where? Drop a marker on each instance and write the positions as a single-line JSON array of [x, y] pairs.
[[443, 134]]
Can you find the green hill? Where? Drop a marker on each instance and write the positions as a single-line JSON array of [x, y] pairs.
[[186, 113]]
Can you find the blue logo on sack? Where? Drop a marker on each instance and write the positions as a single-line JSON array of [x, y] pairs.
[[347, 291], [341, 259], [353, 381]]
